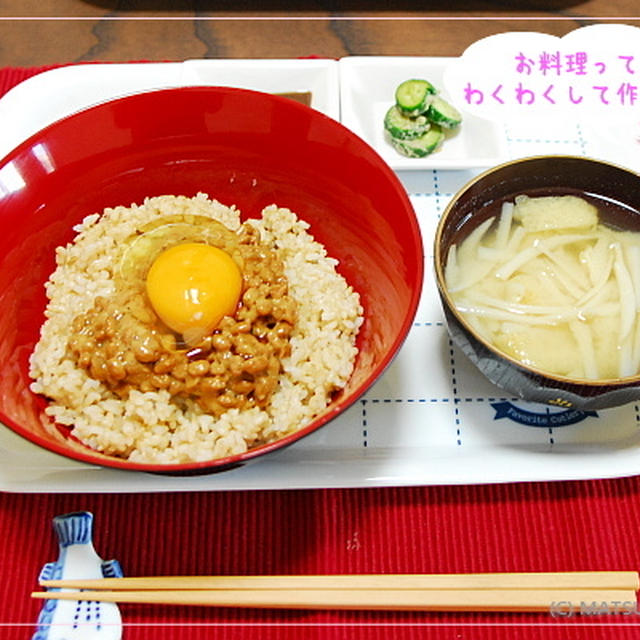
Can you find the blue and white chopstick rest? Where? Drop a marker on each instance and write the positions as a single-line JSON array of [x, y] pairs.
[[75, 620]]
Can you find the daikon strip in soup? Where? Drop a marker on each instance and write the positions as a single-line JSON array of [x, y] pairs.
[[548, 283]]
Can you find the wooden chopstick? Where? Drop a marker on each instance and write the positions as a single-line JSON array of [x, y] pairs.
[[609, 580], [507, 600], [422, 592]]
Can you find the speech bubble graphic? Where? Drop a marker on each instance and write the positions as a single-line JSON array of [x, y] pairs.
[[592, 72]]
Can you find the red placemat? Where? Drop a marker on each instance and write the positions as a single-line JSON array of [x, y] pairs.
[[559, 526], [526, 527]]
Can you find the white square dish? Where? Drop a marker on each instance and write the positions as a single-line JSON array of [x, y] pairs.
[[367, 88], [316, 76]]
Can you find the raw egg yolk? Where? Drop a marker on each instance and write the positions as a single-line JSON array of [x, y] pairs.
[[192, 286]]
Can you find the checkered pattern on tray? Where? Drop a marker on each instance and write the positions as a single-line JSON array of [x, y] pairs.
[[431, 397]]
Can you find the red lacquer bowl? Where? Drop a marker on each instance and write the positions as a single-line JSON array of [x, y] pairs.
[[241, 147]]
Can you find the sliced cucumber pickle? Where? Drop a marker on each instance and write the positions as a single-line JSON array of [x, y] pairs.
[[413, 97], [442, 113], [403, 127], [417, 121], [420, 147]]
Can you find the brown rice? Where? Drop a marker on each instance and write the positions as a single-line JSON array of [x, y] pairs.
[[147, 426]]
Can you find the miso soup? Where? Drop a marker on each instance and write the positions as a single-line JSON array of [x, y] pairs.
[[553, 282]]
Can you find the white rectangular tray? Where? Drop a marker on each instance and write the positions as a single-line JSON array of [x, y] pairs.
[[431, 419]]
